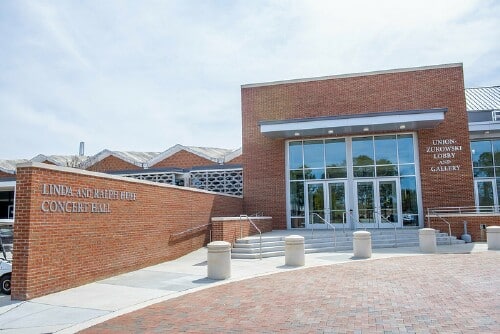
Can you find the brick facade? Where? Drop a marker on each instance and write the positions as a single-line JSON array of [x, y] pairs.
[[232, 228], [54, 251], [112, 163], [183, 159], [4, 175], [474, 223], [411, 89], [236, 161]]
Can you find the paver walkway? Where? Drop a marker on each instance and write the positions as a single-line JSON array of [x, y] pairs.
[[440, 293]]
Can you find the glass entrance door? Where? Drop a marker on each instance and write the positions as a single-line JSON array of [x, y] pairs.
[[378, 203], [326, 202]]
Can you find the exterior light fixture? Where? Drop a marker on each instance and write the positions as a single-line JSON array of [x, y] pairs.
[[486, 132], [296, 134], [366, 129], [402, 126], [330, 132]]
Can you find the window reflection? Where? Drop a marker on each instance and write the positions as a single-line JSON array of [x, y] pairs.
[[314, 154], [295, 155], [405, 149], [409, 201], [362, 151], [335, 153], [386, 150]]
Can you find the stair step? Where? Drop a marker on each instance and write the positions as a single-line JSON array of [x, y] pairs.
[[323, 241]]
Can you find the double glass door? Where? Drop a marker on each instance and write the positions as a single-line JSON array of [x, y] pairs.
[[326, 202], [377, 203]]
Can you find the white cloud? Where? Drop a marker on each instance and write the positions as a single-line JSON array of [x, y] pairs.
[[146, 75]]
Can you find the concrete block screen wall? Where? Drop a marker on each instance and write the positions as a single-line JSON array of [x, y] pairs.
[[74, 227]]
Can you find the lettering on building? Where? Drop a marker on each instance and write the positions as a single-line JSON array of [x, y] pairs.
[[444, 153], [67, 199]]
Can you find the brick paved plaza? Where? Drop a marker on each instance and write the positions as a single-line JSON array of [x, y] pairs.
[[446, 293]]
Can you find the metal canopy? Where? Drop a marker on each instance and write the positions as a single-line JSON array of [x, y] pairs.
[[407, 120]]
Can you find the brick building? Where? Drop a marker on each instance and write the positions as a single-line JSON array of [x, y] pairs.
[[369, 150], [374, 149]]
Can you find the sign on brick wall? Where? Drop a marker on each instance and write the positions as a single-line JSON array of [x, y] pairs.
[[68, 199], [444, 152]]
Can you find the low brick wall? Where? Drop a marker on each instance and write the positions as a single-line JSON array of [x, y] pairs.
[[74, 227], [231, 228], [474, 223]]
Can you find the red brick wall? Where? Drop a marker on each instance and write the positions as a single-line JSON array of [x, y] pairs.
[[54, 251], [438, 87], [183, 159], [473, 225], [4, 175], [112, 163], [236, 161], [230, 229]]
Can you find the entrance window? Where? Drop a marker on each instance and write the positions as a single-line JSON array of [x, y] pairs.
[[486, 169], [363, 157], [335, 158], [325, 174]]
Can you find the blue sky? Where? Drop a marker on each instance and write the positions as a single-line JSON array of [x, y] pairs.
[[146, 75]]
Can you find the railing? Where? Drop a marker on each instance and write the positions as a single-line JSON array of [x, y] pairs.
[[353, 220], [460, 211], [464, 210], [191, 230], [437, 212], [386, 219], [327, 224], [255, 226]]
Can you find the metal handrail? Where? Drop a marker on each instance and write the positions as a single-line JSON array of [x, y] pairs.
[[393, 224], [463, 210], [444, 220], [327, 224], [354, 220], [258, 230], [175, 235]]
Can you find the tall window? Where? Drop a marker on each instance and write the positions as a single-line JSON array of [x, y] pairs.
[[486, 169], [312, 160], [370, 157]]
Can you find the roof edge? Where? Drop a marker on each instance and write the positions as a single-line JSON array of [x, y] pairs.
[[366, 115], [350, 75]]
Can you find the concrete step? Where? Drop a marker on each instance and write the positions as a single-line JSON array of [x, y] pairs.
[[322, 241]]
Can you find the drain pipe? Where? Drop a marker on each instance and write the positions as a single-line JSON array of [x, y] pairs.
[[466, 237]]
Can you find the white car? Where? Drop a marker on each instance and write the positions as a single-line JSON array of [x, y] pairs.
[[5, 274]]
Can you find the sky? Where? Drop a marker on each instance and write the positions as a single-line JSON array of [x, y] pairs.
[[147, 75]]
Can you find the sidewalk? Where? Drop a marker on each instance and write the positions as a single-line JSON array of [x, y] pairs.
[[76, 309]]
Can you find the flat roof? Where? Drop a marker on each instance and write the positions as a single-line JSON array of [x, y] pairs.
[[350, 75]]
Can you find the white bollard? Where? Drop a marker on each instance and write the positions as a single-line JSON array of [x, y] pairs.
[[362, 244], [427, 240], [493, 237], [294, 251], [219, 260]]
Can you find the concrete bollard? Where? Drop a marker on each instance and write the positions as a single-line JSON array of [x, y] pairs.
[[362, 244], [294, 251], [219, 260], [427, 240], [493, 237]]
